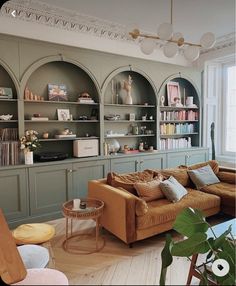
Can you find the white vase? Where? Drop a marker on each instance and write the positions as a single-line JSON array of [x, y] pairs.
[[29, 158], [128, 99]]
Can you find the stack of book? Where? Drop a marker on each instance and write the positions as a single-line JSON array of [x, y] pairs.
[[9, 146], [85, 98], [39, 118]]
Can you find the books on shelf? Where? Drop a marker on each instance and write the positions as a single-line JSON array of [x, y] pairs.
[[65, 136], [39, 118], [8, 134], [9, 153], [179, 115], [86, 100], [176, 128], [175, 143]]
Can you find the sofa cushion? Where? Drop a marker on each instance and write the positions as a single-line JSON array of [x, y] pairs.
[[162, 211], [149, 191], [213, 164], [127, 181], [203, 176], [225, 191], [172, 189], [181, 175], [227, 177]]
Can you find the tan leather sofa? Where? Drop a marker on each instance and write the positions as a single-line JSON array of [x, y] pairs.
[[126, 216]]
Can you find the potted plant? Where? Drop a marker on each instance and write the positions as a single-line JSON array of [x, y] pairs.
[[29, 143], [192, 224]]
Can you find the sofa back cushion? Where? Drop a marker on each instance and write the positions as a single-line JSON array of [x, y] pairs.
[[203, 176], [212, 163], [172, 189], [180, 174], [149, 191], [127, 181]]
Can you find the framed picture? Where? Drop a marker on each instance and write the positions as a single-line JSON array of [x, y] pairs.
[[173, 94], [57, 92], [5, 93], [131, 116], [63, 114]]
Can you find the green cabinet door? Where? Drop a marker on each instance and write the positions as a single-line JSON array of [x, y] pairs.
[[50, 187], [197, 157], [14, 193], [125, 165], [85, 171], [153, 161], [176, 159]]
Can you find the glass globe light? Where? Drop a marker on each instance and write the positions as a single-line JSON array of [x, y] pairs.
[[147, 46], [207, 40], [191, 53], [170, 49], [165, 31]]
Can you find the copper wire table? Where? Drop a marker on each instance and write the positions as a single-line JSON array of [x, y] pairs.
[[94, 209]]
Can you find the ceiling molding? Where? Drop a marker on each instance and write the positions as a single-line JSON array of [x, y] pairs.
[[41, 13]]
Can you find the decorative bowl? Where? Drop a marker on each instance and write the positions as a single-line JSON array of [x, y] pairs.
[[6, 116]]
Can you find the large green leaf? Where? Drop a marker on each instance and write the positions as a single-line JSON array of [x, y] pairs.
[[166, 258], [194, 244], [219, 240], [190, 221]]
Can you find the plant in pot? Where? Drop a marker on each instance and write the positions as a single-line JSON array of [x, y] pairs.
[[191, 223]]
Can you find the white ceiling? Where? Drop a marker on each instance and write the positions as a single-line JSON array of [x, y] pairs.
[[191, 17]]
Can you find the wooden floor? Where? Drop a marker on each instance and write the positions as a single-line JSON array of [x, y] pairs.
[[116, 263]]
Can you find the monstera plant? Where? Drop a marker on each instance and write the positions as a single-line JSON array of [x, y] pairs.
[[192, 225]]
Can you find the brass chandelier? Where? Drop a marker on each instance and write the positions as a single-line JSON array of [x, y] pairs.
[[172, 42]]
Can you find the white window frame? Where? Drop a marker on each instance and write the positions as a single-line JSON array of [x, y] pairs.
[[214, 107], [224, 109]]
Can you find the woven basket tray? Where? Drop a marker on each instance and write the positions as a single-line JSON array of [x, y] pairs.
[[93, 209]]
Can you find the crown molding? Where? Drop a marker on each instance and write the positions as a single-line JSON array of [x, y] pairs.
[[42, 13], [39, 12]]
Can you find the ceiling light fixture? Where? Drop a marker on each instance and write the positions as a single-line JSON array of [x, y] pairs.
[[172, 42]]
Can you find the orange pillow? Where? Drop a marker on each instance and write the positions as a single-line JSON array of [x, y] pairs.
[[181, 175], [149, 191], [127, 181]]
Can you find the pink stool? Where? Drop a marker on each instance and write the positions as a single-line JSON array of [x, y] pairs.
[[44, 276]]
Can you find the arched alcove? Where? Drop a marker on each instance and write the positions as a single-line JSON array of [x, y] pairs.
[[75, 79], [180, 122], [141, 114]]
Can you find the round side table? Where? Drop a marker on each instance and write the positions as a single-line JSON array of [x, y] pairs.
[[93, 210]]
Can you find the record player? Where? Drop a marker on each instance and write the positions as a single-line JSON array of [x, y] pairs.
[[50, 156]]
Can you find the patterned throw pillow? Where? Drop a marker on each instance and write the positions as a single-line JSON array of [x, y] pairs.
[[173, 190], [149, 191], [203, 176]]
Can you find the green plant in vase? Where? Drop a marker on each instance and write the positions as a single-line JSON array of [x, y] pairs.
[[191, 223]]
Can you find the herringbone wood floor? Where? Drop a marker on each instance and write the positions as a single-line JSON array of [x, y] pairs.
[[117, 264]]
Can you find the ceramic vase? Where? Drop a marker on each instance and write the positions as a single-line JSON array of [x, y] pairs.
[[128, 99], [29, 158]]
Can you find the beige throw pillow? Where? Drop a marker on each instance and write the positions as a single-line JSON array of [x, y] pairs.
[[173, 190], [149, 191], [203, 176]]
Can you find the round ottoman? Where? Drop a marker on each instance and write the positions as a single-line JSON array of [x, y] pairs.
[[33, 256], [33, 233], [44, 276]]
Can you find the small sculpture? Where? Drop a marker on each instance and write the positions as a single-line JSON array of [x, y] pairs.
[[127, 88]]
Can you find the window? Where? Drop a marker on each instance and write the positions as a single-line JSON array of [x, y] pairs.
[[229, 110]]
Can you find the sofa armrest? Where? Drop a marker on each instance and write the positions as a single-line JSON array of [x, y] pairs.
[[227, 169], [119, 211], [227, 177]]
